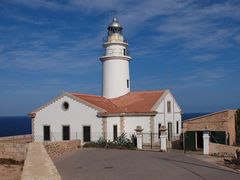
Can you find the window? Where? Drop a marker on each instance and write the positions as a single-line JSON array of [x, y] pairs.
[[65, 105], [86, 133], [114, 132], [159, 132], [177, 124], [169, 106], [46, 133], [66, 132], [127, 83], [124, 51]]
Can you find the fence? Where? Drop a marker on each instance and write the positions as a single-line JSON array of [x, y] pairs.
[[152, 141]]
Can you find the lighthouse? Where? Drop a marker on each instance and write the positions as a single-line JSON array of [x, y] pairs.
[[115, 63], [116, 111]]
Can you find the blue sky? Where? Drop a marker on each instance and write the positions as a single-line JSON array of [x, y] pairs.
[[191, 47]]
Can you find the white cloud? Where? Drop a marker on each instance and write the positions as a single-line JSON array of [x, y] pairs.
[[53, 5], [204, 57], [65, 57], [237, 38], [184, 22], [205, 76]]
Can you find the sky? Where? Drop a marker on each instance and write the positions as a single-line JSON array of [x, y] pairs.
[[191, 47]]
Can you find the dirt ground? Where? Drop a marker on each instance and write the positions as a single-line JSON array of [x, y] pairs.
[[11, 169], [10, 172], [217, 160]]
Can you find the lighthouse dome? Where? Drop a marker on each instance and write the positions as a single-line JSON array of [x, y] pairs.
[[114, 27], [115, 23]]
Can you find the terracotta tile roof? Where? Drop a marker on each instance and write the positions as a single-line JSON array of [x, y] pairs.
[[133, 102], [98, 101]]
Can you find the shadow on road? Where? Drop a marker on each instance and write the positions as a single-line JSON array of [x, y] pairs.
[[195, 164]]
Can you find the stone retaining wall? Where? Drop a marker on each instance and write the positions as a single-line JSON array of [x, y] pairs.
[[222, 150], [27, 138], [13, 151], [58, 148]]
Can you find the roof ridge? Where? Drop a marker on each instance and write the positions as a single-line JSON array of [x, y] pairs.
[[104, 99], [75, 93], [148, 91], [210, 114], [120, 109]]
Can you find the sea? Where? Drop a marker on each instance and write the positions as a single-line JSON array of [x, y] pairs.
[[20, 125]]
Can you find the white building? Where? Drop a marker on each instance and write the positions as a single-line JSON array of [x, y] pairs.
[[118, 110]]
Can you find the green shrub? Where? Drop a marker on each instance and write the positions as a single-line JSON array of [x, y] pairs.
[[90, 144], [120, 143], [133, 138], [101, 142], [122, 140]]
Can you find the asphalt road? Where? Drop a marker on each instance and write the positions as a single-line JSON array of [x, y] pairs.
[[100, 164]]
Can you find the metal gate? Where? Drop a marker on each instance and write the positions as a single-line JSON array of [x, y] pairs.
[[151, 141]]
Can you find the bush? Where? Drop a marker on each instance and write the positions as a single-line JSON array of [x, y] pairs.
[[101, 142], [90, 144], [234, 160], [120, 143], [133, 138]]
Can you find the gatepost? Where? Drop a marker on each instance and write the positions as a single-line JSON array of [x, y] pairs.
[[139, 137], [206, 142], [163, 138]]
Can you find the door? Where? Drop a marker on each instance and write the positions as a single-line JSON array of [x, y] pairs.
[[115, 132], [190, 140], [199, 139], [86, 133], [46, 133], [66, 132]]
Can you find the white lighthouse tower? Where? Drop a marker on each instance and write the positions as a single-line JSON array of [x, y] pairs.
[[115, 63]]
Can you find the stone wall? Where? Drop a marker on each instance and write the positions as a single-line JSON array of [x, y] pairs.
[[222, 150], [13, 151], [58, 148], [219, 121], [27, 138]]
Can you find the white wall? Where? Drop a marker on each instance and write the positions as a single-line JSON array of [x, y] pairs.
[[164, 117], [79, 115], [115, 76], [76, 116], [110, 122], [132, 122], [115, 50]]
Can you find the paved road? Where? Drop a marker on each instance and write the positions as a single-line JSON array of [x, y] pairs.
[[100, 164]]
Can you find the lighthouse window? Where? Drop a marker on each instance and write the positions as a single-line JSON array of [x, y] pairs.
[[127, 83], [124, 51]]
